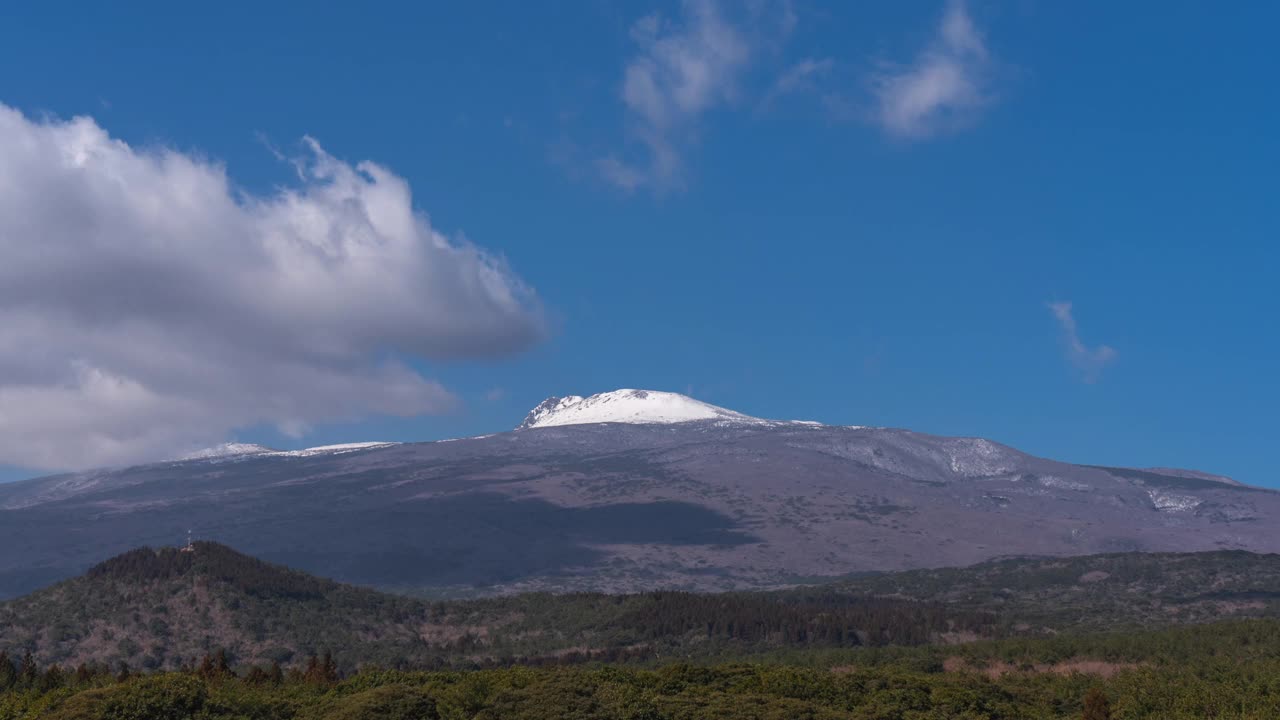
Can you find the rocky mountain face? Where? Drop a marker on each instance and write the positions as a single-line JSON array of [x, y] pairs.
[[627, 492]]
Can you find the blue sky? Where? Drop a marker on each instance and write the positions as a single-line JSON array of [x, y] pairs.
[[843, 212]]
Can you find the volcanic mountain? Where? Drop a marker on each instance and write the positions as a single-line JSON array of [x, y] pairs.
[[622, 491]]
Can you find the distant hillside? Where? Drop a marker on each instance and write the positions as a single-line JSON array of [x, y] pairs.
[[1095, 592], [163, 608], [159, 608]]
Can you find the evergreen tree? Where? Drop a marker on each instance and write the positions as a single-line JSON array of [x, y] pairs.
[[29, 673], [51, 679], [256, 676], [221, 665], [329, 669], [276, 675], [312, 673], [8, 673], [1096, 705]]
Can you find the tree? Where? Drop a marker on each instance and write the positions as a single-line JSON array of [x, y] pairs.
[[8, 673], [312, 673], [322, 671], [220, 663], [1096, 705], [52, 678], [329, 668], [29, 673]]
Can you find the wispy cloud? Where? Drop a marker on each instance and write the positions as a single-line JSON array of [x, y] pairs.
[[798, 77], [945, 86], [1089, 361], [684, 68]]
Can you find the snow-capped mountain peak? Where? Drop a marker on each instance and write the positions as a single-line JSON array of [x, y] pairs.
[[629, 406]]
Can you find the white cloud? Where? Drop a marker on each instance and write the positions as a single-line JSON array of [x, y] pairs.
[[148, 306], [943, 88], [682, 70], [1089, 361]]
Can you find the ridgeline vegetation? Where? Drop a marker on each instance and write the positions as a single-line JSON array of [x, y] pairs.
[[158, 609], [216, 634]]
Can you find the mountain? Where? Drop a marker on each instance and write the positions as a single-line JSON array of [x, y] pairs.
[[627, 491]]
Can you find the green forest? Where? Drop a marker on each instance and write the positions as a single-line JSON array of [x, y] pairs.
[[1219, 670], [213, 633]]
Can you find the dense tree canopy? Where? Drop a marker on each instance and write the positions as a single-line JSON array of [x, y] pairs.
[[1225, 670]]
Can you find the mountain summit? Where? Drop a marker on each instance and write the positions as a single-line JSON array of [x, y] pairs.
[[636, 407]]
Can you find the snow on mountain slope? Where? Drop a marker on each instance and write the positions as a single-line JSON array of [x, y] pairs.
[[225, 450], [637, 407], [333, 449]]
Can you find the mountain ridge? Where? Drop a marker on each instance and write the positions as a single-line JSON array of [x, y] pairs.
[[703, 504]]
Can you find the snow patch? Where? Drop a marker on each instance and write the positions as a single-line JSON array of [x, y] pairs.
[[1056, 482], [638, 407], [234, 451], [227, 450], [1169, 502], [975, 457], [333, 449]]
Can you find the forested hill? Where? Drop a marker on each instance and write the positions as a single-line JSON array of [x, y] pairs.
[[155, 608], [166, 608]]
